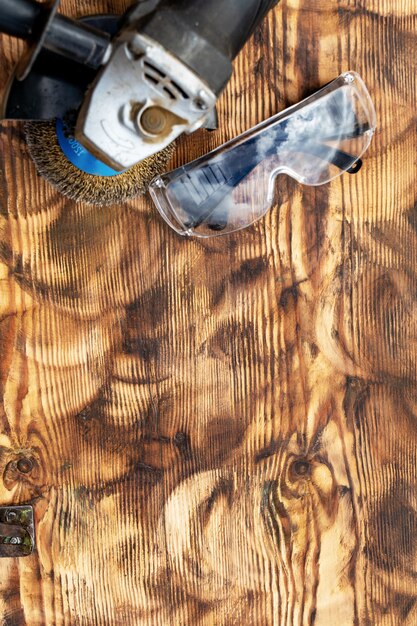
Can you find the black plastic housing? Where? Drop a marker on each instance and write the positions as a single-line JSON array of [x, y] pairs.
[[206, 34]]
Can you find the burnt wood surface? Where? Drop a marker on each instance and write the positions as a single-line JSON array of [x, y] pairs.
[[221, 432]]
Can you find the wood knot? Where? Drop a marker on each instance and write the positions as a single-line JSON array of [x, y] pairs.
[[182, 442], [308, 476], [300, 468], [297, 477], [22, 469], [25, 465]]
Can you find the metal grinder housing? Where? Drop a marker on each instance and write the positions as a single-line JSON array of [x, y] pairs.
[[136, 82]]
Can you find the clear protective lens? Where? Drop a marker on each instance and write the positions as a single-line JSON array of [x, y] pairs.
[[233, 186]]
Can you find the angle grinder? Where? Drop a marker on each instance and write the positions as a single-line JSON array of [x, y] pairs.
[[123, 88]]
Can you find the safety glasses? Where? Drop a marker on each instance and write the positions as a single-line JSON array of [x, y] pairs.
[[230, 188]]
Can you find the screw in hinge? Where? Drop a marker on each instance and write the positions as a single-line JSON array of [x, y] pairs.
[[15, 541], [11, 516]]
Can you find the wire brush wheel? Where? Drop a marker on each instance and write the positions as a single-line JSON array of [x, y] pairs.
[[80, 186]]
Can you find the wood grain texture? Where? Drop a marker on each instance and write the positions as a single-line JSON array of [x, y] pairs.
[[222, 432]]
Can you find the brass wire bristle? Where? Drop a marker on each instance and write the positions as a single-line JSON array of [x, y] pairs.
[[54, 166]]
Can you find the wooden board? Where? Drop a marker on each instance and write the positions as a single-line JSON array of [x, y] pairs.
[[222, 432]]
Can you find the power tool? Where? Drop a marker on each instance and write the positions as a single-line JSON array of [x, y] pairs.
[[123, 88]]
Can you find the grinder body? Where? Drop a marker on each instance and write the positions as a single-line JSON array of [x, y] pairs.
[[156, 73]]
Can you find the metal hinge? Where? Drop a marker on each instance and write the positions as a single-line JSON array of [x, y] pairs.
[[17, 531]]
